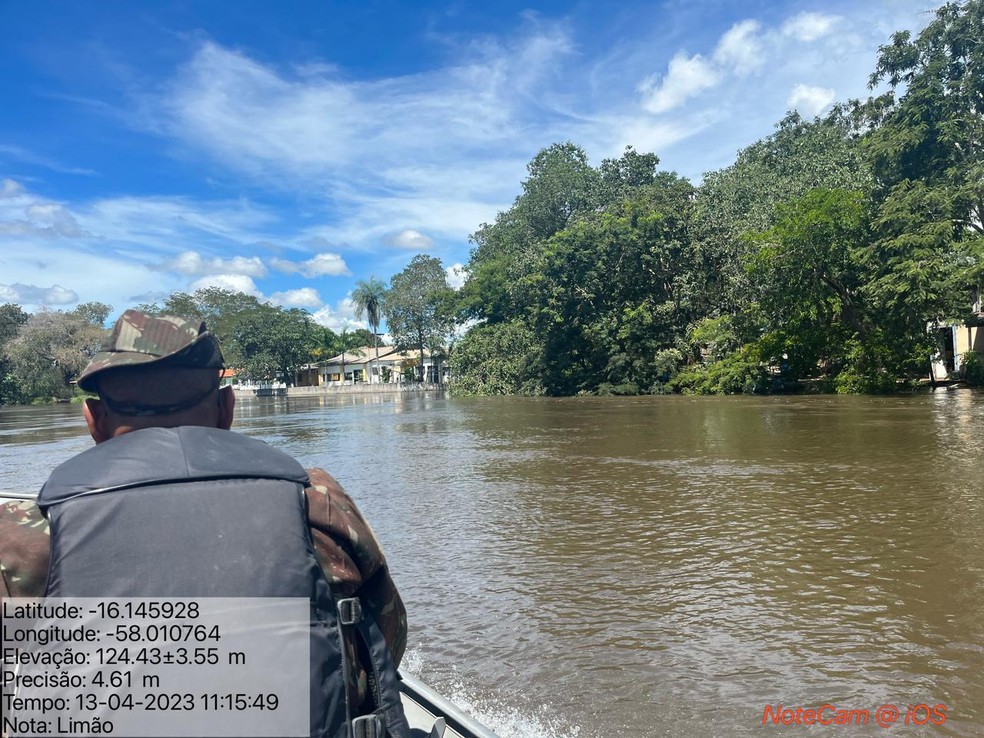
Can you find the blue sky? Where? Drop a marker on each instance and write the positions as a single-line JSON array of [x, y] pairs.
[[291, 149]]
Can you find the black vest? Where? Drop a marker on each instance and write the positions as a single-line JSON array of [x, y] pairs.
[[202, 512]]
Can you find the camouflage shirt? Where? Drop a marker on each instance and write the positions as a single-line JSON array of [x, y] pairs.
[[343, 541]]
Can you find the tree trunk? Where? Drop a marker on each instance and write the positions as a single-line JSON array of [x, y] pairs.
[[375, 341]]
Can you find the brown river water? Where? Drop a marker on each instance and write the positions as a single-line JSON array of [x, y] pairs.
[[659, 566]]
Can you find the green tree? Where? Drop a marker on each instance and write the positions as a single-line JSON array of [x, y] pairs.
[[620, 177], [274, 342], [349, 341], [224, 312], [614, 290], [412, 306], [497, 359], [95, 313], [325, 343], [743, 199], [926, 143], [50, 350], [507, 265], [368, 297], [809, 277], [12, 317], [561, 187]]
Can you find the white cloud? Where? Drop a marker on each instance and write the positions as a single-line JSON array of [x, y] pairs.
[[324, 265], [159, 223], [456, 275], [305, 297], [740, 48], [320, 265], [9, 188], [411, 239], [28, 294], [285, 265], [686, 77], [646, 134], [232, 282], [235, 107], [810, 101], [45, 219], [29, 157], [192, 263], [93, 272], [339, 318], [463, 126], [809, 26]]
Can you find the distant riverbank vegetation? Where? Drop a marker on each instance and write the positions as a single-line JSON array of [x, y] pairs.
[[43, 353], [821, 257]]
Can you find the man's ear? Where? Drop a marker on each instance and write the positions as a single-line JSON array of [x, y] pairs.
[[227, 404], [97, 419]]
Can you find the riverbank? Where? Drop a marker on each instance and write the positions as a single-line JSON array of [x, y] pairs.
[[349, 389]]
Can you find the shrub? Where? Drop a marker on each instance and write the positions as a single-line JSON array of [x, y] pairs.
[[743, 372], [972, 369]]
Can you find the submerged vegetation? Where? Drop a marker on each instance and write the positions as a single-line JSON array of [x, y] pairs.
[[819, 256]]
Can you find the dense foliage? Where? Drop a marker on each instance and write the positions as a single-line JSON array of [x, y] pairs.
[[415, 308], [822, 254], [43, 353]]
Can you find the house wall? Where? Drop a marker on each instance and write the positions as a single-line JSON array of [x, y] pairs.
[[308, 377], [969, 338]]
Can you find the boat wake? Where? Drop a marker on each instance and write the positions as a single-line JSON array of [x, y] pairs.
[[505, 720]]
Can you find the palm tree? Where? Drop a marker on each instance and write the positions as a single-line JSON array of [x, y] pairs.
[[368, 297]]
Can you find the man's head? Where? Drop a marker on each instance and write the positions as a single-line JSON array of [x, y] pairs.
[[158, 371]]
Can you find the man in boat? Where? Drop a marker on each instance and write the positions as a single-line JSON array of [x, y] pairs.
[[162, 426]]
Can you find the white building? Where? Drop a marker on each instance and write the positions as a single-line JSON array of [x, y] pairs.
[[361, 365]]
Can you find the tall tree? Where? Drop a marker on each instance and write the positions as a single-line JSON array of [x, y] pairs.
[[50, 350], [927, 148], [613, 290], [350, 341], [497, 359], [412, 305], [561, 187], [223, 311], [809, 274], [95, 313], [12, 317], [326, 343], [273, 341], [742, 199], [368, 297]]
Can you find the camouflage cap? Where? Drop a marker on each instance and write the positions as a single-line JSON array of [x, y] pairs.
[[139, 339]]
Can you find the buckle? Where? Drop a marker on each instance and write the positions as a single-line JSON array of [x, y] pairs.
[[368, 726], [349, 611]]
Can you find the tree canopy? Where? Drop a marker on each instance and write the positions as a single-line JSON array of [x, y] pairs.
[[368, 297], [821, 254], [414, 306], [49, 350]]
